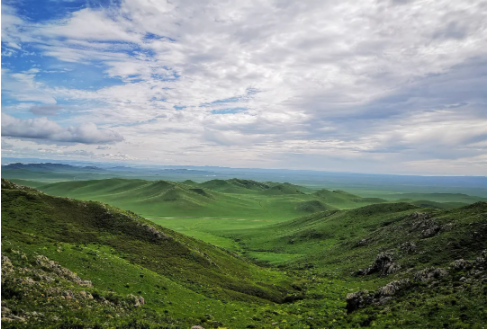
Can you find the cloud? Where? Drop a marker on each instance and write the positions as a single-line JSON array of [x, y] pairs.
[[42, 128], [380, 82], [24, 87], [45, 109]]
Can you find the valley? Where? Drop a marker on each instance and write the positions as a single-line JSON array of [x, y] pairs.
[[238, 253]]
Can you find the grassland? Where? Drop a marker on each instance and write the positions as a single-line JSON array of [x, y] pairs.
[[266, 255], [206, 210]]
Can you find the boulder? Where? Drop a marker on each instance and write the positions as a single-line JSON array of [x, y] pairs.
[[431, 231], [383, 264], [7, 266], [459, 264], [383, 295], [393, 287], [357, 300], [408, 247], [430, 274]]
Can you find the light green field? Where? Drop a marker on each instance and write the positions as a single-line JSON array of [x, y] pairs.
[[204, 211]]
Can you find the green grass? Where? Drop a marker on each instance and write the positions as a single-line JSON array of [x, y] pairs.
[[267, 261]]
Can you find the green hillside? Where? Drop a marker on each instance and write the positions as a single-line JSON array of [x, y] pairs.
[[84, 264], [344, 199], [199, 210], [120, 253], [437, 197], [410, 265], [173, 199]]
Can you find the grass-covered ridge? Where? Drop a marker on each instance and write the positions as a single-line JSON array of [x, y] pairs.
[[82, 264]]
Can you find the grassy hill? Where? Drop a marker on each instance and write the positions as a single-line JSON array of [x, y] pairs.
[[85, 264], [344, 199], [121, 253], [201, 210], [437, 197], [409, 265]]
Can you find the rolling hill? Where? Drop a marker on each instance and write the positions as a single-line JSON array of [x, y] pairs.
[[93, 249], [85, 264]]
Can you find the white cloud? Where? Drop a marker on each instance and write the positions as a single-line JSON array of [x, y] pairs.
[[368, 81], [42, 128]]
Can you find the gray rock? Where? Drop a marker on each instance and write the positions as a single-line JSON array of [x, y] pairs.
[[431, 231], [459, 264], [383, 264], [430, 274], [408, 247], [357, 300]]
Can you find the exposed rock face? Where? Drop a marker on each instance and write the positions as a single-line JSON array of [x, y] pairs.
[[362, 242], [393, 287], [7, 266], [40, 276], [460, 264], [138, 300], [430, 274], [431, 231], [383, 264], [408, 247], [360, 299], [62, 271], [475, 269], [480, 262], [6, 184]]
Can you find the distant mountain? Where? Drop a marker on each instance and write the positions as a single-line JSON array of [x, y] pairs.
[[439, 197], [52, 167], [246, 186]]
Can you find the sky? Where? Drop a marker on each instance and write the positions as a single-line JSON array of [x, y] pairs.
[[373, 86]]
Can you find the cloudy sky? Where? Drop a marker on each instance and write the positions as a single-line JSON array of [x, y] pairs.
[[378, 86]]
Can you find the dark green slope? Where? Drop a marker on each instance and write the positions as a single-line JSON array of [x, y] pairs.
[[32, 216], [327, 236], [134, 193], [247, 186], [282, 189], [235, 185], [438, 197], [339, 197], [410, 267]]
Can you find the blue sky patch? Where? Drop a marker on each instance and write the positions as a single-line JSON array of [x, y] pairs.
[[229, 110]]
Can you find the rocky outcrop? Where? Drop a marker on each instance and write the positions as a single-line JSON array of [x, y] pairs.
[[460, 264], [430, 274], [363, 298], [427, 226], [357, 300], [409, 247], [383, 265], [48, 264], [138, 300], [431, 231], [7, 266], [362, 243]]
